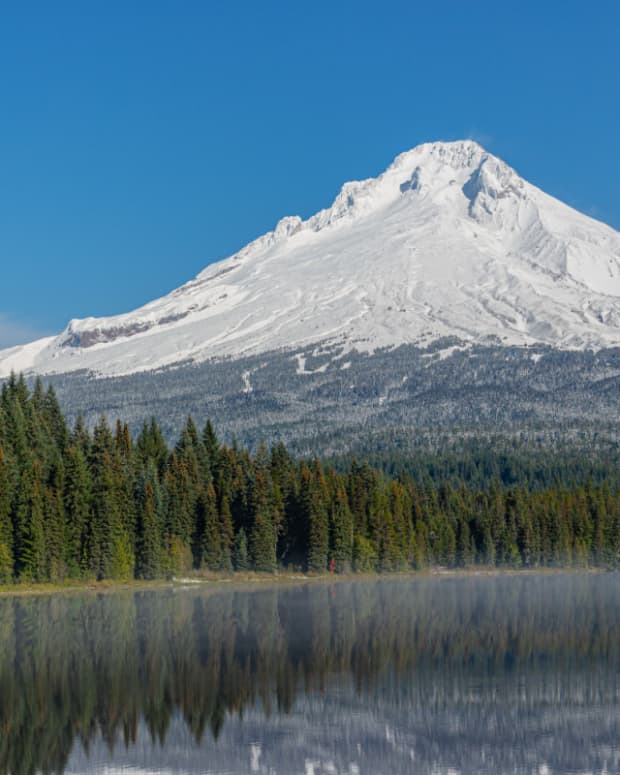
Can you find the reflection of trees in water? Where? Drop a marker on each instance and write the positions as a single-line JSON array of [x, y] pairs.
[[72, 667], [476, 735]]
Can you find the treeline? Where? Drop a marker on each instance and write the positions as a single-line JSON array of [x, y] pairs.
[[535, 461], [103, 505]]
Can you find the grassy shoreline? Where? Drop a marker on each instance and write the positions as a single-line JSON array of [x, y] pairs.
[[252, 580]]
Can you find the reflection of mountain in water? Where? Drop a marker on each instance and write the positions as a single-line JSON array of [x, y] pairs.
[[480, 675], [339, 735]]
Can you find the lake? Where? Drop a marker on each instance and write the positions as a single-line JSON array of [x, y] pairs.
[[472, 674]]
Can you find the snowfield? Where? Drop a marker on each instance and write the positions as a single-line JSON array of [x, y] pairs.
[[448, 241]]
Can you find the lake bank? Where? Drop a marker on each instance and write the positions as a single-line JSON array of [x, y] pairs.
[[250, 580]]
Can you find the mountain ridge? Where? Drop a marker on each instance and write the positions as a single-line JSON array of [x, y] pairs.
[[449, 241]]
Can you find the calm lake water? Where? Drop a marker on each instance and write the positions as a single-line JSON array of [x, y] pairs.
[[515, 674]]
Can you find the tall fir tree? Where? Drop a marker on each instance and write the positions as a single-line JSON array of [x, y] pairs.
[[6, 523], [78, 504], [313, 497], [32, 551], [241, 555], [263, 535], [210, 534], [341, 531], [149, 540]]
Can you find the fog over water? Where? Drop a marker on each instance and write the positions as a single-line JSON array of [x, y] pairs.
[[516, 674]]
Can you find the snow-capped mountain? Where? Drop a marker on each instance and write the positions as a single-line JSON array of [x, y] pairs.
[[448, 241]]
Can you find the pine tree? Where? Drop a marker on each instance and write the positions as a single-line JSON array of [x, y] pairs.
[[77, 501], [465, 550], [148, 556], [210, 537], [80, 438], [181, 499], [212, 448], [400, 507], [6, 525], [191, 448], [241, 555], [150, 445], [54, 522], [110, 553], [226, 535], [55, 420], [32, 557], [365, 557], [104, 517], [341, 532], [263, 535], [313, 497], [124, 478]]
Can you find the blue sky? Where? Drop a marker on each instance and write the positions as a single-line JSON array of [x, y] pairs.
[[140, 141]]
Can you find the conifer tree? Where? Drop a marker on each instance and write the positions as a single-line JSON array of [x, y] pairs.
[[150, 445], [80, 438], [400, 507], [148, 555], [55, 419], [190, 447], [341, 532], [6, 525], [54, 521], [241, 554], [263, 535], [313, 497], [77, 502], [124, 479], [109, 545], [179, 520], [32, 551], [210, 534], [227, 535], [212, 448]]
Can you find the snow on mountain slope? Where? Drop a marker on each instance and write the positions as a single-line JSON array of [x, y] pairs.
[[448, 241]]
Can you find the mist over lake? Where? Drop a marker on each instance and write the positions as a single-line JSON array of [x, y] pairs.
[[464, 674]]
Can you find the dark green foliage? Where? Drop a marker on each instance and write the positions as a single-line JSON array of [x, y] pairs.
[[364, 555], [341, 532], [263, 532], [227, 535], [6, 525], [212, 447], [314, 503], [148, 558], [106, 507], [32, 554], [209, 530], [78, 501], [241, 555], [150, 445]]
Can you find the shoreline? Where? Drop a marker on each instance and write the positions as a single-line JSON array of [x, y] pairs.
[[247, 581]]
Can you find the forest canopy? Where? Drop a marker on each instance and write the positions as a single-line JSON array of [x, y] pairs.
[[103, 504]]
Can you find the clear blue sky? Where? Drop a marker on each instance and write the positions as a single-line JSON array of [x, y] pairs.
[[140, 141]]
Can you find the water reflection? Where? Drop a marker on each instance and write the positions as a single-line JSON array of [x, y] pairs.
[[518, 674]]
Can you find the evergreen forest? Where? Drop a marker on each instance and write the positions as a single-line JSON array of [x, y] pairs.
[[104, 504]]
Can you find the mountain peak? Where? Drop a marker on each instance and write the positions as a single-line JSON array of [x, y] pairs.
[[449, 241], [458, 154], [430, 165]]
